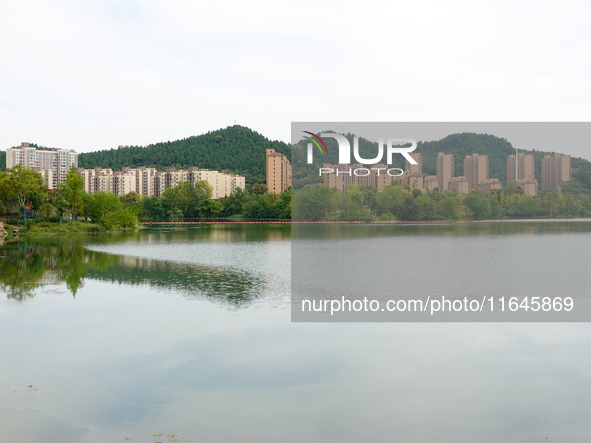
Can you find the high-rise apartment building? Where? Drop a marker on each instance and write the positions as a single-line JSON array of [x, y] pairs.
[[555, 170], [53, 164], [414, 169], [413, 174], [490, 184], [524, 168], [445, 170], [475, 169], [343, 176], [529, 185], [431, 182], [459, 184], [278, 170]]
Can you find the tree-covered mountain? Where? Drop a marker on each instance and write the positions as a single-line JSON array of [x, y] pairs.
[[234, 149]]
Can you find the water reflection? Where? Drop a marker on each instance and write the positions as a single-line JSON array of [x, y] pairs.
[[26, 265], [214, 233], [122, 362], [484, 229]]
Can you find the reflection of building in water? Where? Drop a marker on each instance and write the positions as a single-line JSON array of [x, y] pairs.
[[51, 277], [149, 181]]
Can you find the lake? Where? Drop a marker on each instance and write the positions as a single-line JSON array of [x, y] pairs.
[[185, 334]]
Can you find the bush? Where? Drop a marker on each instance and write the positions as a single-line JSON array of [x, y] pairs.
[[119, 219]]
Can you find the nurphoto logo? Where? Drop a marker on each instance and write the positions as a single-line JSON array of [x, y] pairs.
[[392, 146]]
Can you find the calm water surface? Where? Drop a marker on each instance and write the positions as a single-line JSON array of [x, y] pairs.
[[186, 333]]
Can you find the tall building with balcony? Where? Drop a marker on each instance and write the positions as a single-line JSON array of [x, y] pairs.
[[555, 170], [445, 170], [475, 169], [525, 166], [278, 172], [529, 185], [53, 164]]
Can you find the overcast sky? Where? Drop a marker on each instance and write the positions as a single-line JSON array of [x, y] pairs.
[[92, 75]]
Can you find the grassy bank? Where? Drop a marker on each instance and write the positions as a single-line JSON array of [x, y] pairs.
[[66, 227]]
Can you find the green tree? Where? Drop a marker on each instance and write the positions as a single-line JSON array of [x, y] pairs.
[[314, 203], [448, 207], [232, 204], [550, 201], [391, 200], [259, 189], [120, 218], [73, 191], [17, 185], [427, 209], [153, 209], [99, 205], [479, 205], [47, 210], [189, 199]]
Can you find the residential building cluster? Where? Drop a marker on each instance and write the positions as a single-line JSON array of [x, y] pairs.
[[521, 168], [53, 164], [149, 181]]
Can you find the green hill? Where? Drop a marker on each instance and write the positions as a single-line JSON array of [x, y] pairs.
[[234, 149]]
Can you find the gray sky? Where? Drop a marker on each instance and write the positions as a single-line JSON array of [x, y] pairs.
[[93, 75]]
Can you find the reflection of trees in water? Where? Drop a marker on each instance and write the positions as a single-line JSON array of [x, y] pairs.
[[230, 286], [218, 233], [27, 265], [363, 231]]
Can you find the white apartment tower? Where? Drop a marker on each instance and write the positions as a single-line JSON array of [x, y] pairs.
[[53, 164]]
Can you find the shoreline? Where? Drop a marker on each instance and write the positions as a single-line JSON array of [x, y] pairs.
[[397, 222]]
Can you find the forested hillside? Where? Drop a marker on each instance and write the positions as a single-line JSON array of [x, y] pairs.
[[234, 149]]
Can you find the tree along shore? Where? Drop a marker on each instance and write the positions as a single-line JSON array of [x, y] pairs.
[[24, 201]]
